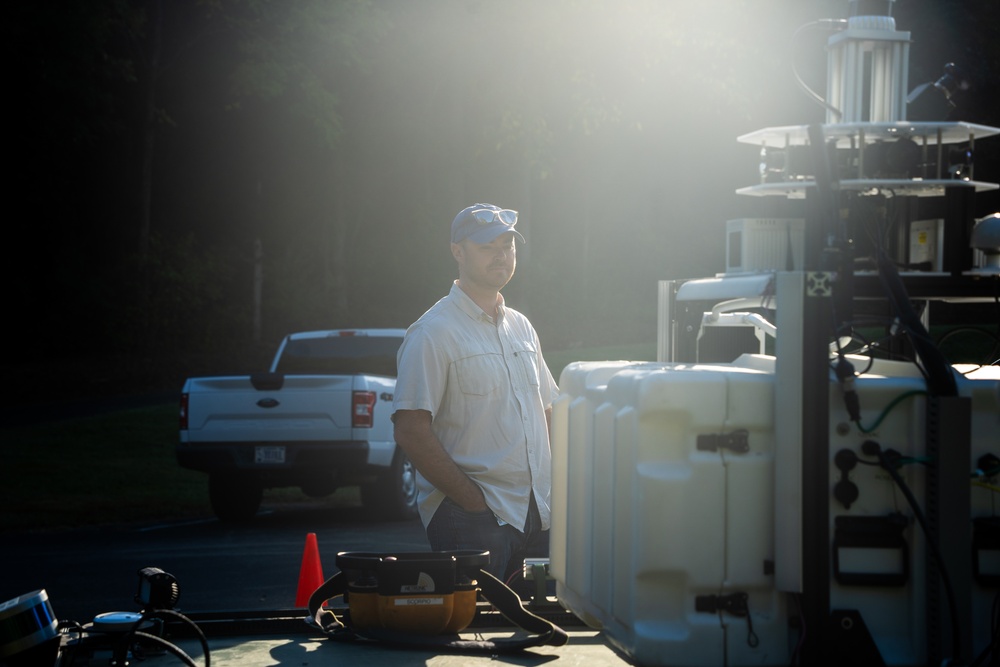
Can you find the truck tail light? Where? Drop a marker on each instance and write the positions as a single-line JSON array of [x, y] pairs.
[[184, 412], [363, 409]]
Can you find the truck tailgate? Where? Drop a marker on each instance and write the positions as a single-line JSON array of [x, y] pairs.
[[229, 409]]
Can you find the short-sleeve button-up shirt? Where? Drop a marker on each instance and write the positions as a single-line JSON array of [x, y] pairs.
[[487, 387]]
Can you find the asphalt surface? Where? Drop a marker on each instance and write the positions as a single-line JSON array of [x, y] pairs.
[[232, 570], [219, 567]]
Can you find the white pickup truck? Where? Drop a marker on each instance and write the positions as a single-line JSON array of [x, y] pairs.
[[319, 419]]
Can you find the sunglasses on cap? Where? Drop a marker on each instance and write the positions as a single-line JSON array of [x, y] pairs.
[[486, 216]]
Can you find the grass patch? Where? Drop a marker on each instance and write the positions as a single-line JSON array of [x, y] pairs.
[[117, 468], [112, 468]]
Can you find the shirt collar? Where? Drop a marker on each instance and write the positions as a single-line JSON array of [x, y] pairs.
[[469, 307]]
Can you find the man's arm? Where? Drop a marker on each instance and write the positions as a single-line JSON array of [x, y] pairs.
[[413, 433]]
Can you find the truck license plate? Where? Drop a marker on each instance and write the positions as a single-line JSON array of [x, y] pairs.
[[269, 454]]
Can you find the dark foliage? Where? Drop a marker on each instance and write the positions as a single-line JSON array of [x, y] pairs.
[[340, 138]]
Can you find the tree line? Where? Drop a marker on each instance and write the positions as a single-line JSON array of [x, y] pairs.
[[194, 176]]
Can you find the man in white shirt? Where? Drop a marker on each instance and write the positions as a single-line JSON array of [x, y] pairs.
[[472, 405]]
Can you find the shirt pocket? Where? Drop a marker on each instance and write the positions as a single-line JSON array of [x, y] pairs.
[[480, 374], [527, 360]]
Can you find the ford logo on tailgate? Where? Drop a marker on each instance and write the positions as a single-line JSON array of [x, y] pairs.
[[268, 402]]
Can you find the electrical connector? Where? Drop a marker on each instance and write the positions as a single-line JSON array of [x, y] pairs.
[[871, 448], [890, 457], [845, 375]]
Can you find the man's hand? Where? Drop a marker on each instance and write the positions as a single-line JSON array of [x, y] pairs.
[[414, 434]]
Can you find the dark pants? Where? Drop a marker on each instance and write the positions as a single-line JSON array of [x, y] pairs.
[[453, 528]]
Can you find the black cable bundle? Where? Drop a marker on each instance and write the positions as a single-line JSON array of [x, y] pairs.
[[940, 378], [163, 614]]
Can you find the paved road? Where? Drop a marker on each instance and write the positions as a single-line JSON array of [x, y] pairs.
[[218, 567]]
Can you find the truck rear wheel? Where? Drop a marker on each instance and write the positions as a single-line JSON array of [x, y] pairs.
[[393, 495], [234, 498]]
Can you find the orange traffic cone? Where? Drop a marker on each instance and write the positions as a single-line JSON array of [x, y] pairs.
[[311, 573]]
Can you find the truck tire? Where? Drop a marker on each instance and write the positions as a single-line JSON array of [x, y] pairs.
[[234, 498], [393, 495]]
